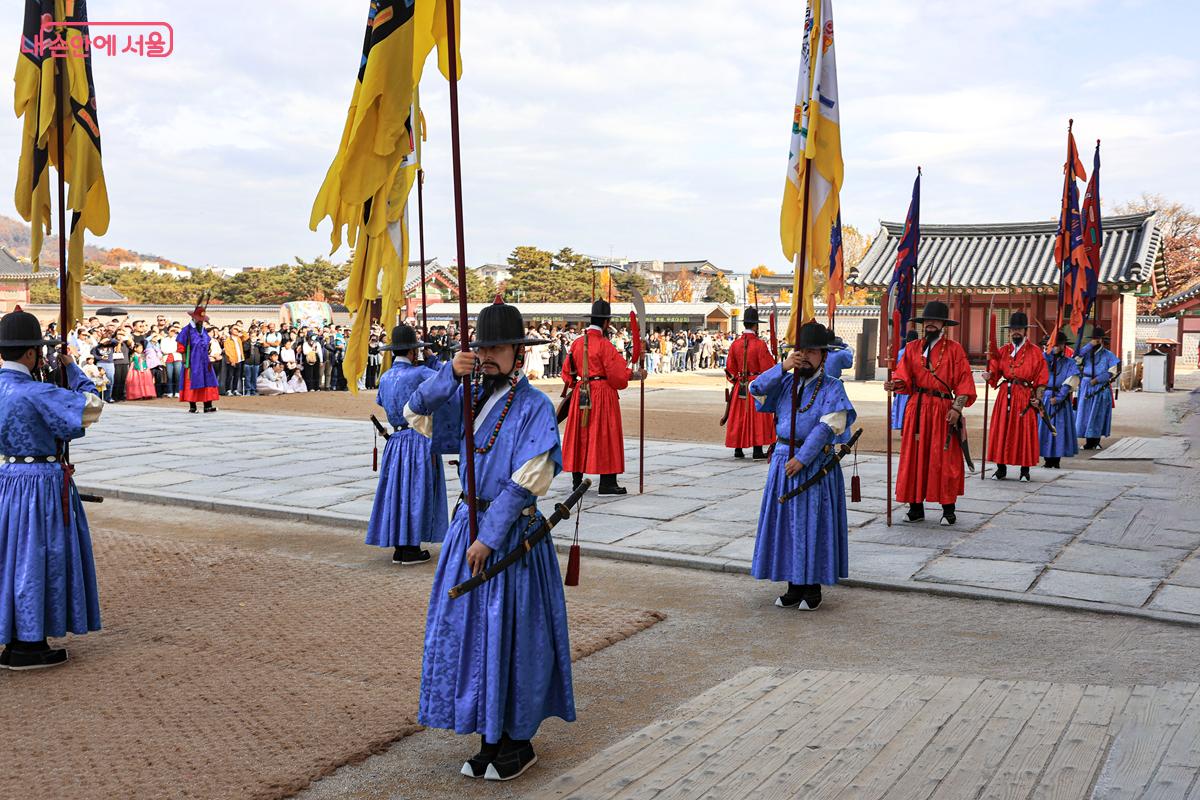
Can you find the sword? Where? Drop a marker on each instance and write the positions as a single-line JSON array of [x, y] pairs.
[[841, 451], [561, 511], [379, 427], [963, 441], [1043, 416]]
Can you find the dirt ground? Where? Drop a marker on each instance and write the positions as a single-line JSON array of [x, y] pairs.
[[716, 626], [688, 407]]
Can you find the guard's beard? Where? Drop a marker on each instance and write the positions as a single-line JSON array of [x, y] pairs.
[[493, 383], [1017, 339], [806, 371], [931, 335]]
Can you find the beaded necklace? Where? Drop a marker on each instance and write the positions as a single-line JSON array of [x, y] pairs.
[[1014, 362], [508, 401], [816, 391]]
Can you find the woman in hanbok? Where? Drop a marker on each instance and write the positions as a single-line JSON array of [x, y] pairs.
[[139, 383]]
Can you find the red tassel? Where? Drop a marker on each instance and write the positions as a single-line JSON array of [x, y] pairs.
[[855, 489], [573, 566], [375, 459]]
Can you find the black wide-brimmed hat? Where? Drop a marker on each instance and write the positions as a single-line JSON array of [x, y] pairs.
[[814, 336], [1019, 319], [601, 310], [500, 324], [21, 329], [751, 316], [936, 311], [404, 338], [1099, 333]]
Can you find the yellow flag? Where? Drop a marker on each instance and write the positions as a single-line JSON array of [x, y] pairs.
[[366, 190], [814, 161], [80, 164]]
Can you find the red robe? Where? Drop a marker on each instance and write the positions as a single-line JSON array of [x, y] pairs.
[[930, 471], [599, 448], [748, 358], [1013, 434]]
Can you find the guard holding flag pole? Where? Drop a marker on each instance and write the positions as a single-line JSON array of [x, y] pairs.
[[936, 375], [1056, 434], [1018, 373], [497, 660], [802, 539], [1098, 370]]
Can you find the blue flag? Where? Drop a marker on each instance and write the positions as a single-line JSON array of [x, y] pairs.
[[900, 288]]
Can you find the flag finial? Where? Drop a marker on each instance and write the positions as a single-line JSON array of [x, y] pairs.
[[918, 169], [1070, 124]]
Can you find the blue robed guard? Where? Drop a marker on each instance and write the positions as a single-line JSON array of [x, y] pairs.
[[803, 541], [839, 358], [497, 660], [47, 575], [1098, 368], [410, 503], [1063, 379]]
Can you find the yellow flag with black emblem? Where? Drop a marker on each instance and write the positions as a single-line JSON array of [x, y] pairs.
[[366, 189], [80, 164]]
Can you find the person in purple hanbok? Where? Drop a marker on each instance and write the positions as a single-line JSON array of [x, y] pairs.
[[47, 574], [497, 660], [410, 504], [803, 541]]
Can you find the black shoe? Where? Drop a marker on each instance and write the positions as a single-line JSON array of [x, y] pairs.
[[1001, 472], [398, 555], [210, 409], [476, 766], [576, 480], [948, 518], [612, 489], [759, 454], [792, 597], [738, 453], [191, 410], [37, 659], [1024, 475], [916, 513], [812, 598], [511, 762], [413, 555]]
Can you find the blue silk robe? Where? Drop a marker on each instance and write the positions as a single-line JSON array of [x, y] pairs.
[[1063, 379], [1093, 416], [804, 540], [497, 660], [410, 503], [837, 361], [47, 575]]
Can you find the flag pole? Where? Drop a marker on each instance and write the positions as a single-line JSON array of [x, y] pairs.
[[1065, 226], [800, 265], [421, 240], [987, 387], [60, 94], [460, 241]]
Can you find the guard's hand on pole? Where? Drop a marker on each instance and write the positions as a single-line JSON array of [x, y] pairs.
[[896, 385], [477, 556], [793, 467], [464, 363]]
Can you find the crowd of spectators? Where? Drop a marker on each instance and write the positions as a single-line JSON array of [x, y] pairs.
[[140, 359]]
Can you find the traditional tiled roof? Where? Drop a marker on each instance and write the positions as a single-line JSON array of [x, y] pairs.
[[1018, 255], [101, 294], [15, 269], [1189, 292]]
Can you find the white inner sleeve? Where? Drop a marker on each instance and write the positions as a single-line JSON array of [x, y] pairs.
[[1113, 370], [92, 406], [535, 474], [836, 421], [1073, 382], [421, 423]]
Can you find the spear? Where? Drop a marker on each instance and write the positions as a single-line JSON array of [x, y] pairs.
[[460, 242], [639, 310]]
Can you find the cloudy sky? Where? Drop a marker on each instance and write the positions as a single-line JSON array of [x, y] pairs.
[[648, 129]]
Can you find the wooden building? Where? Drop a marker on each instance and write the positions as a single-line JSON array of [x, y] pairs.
[[1184, 307], [1010, 267], [15, 277]]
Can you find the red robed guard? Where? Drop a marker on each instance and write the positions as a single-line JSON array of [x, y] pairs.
[[748, 358], [1019, 370], [592, 442], [936, 375]]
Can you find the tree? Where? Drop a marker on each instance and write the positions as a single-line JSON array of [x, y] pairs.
[[539, 276], [760, 271], [683, 290], [719, 291], [1180, 227], [623, 282], [479, 290]]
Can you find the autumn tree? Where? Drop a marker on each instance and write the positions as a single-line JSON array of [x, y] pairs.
[[1180, 228]]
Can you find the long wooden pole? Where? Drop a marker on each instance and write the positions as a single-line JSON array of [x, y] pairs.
[[801, 263], [987, 388], [460, 241], [64, 314], [421, 245]]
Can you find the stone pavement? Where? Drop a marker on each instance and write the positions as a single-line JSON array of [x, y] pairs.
[[1120, 542]]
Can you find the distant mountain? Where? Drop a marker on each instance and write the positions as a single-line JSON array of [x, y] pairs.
[[14, 234]]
